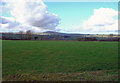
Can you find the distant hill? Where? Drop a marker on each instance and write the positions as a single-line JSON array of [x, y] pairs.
[[59, 33], [53, 33]]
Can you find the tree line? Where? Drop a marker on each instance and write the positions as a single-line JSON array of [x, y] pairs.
[[23, 35]]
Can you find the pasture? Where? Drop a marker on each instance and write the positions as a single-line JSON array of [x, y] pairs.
[[59, 60]]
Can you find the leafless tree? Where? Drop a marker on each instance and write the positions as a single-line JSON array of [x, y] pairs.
[[21, 34], [56, 37], [9, 35], [111, 35], [29, 34]]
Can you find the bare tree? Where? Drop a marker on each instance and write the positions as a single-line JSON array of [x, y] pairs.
[[111, 35], [9, 35], [56, 37], [29, 34], [21, 34]]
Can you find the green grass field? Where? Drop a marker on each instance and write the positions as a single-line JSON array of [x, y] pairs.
[[37, 60]]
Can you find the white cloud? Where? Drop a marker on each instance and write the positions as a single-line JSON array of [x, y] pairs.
[[32, 13], [8, 22], [102, 20]]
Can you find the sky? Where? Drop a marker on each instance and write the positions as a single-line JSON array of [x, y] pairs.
[[81, 0], [68, 17]]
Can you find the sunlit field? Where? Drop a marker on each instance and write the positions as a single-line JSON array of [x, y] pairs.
[[59, 60]]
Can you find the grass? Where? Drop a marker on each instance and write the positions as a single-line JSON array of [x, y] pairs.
[[55, 57]]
